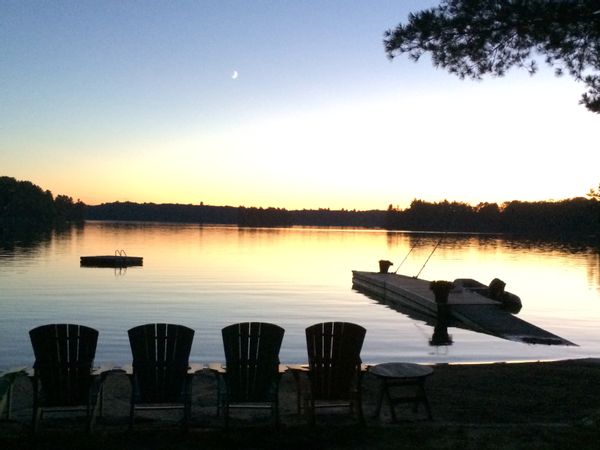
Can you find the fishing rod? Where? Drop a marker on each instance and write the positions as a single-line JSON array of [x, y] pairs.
[[432, 251], [406, 256], [448, 226], [431, 254]]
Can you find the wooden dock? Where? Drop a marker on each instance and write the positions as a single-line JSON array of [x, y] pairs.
[[116, 261], [475, 311]]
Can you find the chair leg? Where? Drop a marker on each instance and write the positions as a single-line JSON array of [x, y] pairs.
[[9, 401], [101, 409], [309, 410], [275, 412], [37, 416], [131, 414], [37, 409], [220, 394], [187, 413], [359, 410], [96, 408], [226, 414]]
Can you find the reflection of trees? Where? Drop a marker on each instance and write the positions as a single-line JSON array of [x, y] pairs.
[[568, 244], [14, 243], [593, 269], [450, 241], [411, 247], [23, 242]]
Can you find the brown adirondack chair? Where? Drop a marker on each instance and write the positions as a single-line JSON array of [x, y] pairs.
[[63, 377], [161, 378], [334, 367], [251, 376]]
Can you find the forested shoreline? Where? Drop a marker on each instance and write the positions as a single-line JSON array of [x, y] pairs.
[[25, 205], [577, 215]]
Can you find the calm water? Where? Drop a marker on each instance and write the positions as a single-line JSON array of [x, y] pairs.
[[209, 277]]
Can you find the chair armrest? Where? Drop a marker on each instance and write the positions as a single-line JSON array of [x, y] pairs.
[[194, 368], [16, 371], [127, 369], [102, 371]]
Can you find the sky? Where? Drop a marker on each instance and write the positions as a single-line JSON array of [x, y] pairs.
[[289, 103]]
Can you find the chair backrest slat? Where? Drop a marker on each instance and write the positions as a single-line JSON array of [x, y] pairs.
[[160, 360], [252, 360], [64, 357], [334, 358]]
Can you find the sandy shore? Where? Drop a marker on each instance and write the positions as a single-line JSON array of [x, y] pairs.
[[555, 396]]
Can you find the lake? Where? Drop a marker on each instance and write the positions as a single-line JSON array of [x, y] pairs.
[[207, 277]]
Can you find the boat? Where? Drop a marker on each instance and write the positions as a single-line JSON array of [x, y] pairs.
[[118, 260], [495, 291], [465, 303]]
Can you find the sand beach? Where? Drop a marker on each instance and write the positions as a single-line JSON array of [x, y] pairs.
[[502, 405]]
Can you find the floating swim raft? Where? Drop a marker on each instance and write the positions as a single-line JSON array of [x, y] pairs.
[[477, 312], [118, 260]]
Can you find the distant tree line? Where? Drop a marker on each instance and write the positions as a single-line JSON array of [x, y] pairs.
[[229, 215], [23, 205], [576, 215], [167, 212]]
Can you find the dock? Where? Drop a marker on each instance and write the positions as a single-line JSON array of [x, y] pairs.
[[116, 261], [475, 311]]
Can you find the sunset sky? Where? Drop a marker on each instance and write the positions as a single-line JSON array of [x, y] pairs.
[[271, 103]]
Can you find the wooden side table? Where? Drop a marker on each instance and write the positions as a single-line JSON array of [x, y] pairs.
[[394, 374]]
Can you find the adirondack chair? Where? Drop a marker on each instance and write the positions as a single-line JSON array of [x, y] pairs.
[[334, 367], [161, 377], [63, 377], [251, 376]]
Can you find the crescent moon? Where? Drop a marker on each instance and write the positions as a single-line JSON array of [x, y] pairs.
[[234, 75]]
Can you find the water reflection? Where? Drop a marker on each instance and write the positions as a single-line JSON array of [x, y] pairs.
[[439, 324], [440, 335], [23, 242], [207, 277], [420, 245]]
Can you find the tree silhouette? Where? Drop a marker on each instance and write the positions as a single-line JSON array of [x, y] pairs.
[[25, 205], [473, 38], [594, 193]]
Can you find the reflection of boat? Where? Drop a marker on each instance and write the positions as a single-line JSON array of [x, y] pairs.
[[440, 323], [118, 260], [475, 311]]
